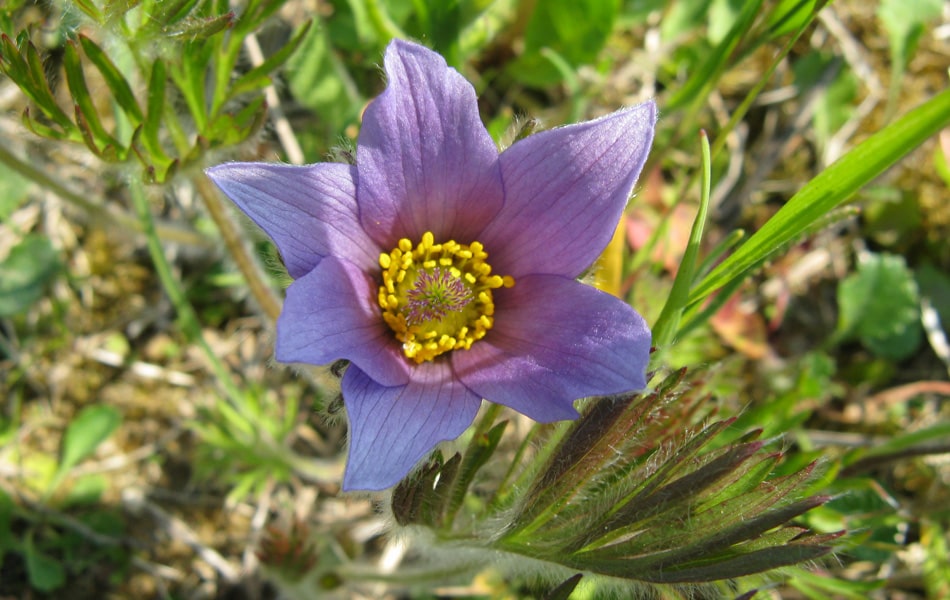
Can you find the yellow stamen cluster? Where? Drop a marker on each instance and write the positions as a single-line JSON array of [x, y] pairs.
[[438, 297]]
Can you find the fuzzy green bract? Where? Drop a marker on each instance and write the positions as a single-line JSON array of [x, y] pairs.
[[430, 191]]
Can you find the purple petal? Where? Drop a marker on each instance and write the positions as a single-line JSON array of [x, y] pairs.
[[554, 341], [310, 212], [331, 313], [392, 428], [565, 190], [426, 162]]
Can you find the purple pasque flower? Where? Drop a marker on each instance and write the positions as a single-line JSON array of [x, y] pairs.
[[444, 271]]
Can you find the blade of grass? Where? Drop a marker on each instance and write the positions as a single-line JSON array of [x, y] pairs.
[[740, 112], [694, 92], [829, 189], [664, 331]]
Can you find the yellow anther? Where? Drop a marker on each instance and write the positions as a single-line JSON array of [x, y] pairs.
[[437, 297]]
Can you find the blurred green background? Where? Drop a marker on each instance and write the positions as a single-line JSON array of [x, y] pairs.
[[150, 446]]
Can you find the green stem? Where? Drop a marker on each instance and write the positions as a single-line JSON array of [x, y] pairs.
[[410, 576], [503, 491], [487, 420], [529, 473], [187, 318]]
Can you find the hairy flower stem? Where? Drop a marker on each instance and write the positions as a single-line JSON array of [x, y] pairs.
[[410, 576], [488, 419], [253, 273]]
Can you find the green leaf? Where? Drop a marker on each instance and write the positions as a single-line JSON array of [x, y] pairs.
[[230, 129], [13, 188], [155, 111], [682, 18], [189, 75], [259, 76], [42, 94], [485, 22], [722, 16], [25, 68], [749, 563], [25, 273], [168, 12], [839, 589], [443, 26], [892, 216], [632, 490], [880, 305], [789, 15], [255, 14], [120, 88], [701, 83], [42, 130], [835, 105], [564, 589], [932, 440], [86, 490], [201, 28], [318, 80], [89, 7], [414, 497], [830, 188], [83, 99], [575, 31], [904, 21], [381, 18], [46, 574], [92, 426], [664, 330], [934, 538], [107, 151], [7, 510], [479, 451]]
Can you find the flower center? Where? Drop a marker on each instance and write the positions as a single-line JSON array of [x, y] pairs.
[[438, 297]]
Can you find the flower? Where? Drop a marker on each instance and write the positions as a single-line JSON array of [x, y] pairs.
[[446, 272]]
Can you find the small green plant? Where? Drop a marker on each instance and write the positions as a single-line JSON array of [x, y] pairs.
[[33, 529]]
